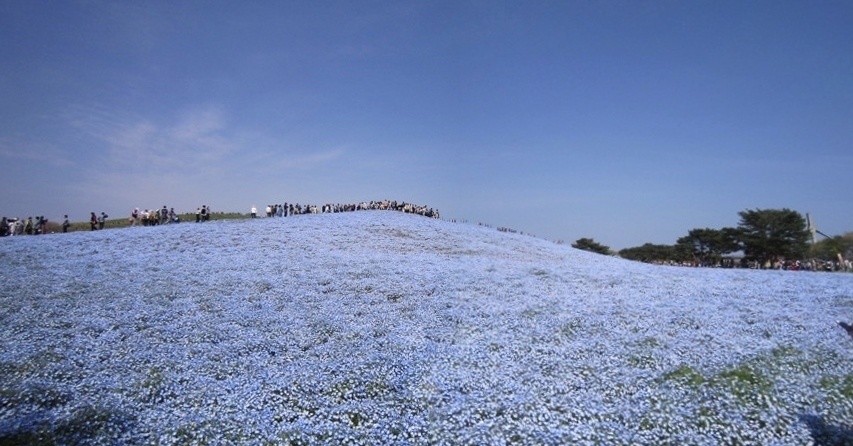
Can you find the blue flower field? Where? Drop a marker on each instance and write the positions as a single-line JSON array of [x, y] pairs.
[[380, 327]]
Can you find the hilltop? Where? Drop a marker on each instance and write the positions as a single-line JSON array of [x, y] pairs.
[[387, 328]]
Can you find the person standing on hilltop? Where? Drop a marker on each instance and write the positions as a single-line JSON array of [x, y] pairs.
[[102, 220], [254, 212], [93, 220], [65, 224], [41, 225]]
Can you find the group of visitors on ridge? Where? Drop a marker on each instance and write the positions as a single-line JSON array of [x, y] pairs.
[[283, 210], [154, 217], [165, 215], [19, 226]]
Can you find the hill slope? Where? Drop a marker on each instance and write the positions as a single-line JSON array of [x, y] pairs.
[[388, 328]]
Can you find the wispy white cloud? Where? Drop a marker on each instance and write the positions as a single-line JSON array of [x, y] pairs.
[[41, 152], [199, 123], [199, 139], [199, 152], [265, 154]]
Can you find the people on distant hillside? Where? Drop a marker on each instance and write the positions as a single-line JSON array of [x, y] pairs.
[[277, 210], [155, 216], [11, 226], [40, 225]]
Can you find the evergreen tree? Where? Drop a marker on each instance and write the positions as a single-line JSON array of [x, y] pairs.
[[588, 244], [773, 234], [707, 246]]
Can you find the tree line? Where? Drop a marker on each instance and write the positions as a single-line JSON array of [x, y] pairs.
[[763, 236]]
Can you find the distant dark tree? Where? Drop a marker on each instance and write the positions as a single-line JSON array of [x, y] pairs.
[[588, 244], [685, 247], [652, 253], [730, 240], [707, 246], [773, 234]]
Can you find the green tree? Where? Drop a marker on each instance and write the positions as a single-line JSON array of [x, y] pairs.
[[829, 248], [652, 253], [588, 244], [773, 234], [707, 246]]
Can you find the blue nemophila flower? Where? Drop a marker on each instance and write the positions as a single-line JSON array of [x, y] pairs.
[[384, 328]]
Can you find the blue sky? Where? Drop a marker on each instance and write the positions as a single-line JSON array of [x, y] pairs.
[[624, 121]]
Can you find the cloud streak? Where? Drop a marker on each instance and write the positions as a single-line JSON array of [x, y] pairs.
[[201, 140], [198, 141], [40, 152]]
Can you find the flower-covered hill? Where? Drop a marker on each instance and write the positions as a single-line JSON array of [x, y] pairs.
[[387, 328]]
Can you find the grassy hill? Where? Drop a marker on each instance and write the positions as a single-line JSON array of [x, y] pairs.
[[387, 328]]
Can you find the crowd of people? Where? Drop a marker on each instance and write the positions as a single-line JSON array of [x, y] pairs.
[[284, 210], [39, 225], [166, 215], [840, 265], [815, 265], [153, 217], [18, 226]]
